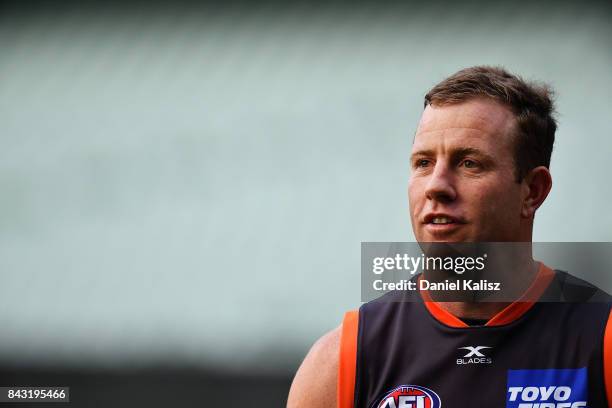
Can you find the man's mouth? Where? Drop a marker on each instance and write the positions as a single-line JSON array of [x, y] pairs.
[[442, 220], [441, 226]]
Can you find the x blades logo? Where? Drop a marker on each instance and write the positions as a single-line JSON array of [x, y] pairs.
[[474, 351], [474, 355]]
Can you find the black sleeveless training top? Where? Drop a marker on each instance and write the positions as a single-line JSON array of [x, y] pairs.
[[537, 355]]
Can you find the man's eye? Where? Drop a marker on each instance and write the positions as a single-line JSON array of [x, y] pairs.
[[470, 164], [422, 163]]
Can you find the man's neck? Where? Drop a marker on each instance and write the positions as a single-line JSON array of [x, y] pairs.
[[486, 310]]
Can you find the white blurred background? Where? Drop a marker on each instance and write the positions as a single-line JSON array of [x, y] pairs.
[[190, 185]]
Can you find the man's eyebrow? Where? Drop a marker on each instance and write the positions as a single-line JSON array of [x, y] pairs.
[[466, 151], [421, 153], [455, 152]]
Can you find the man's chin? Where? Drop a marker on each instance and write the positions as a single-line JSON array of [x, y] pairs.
[[453, 232], [445, 238]]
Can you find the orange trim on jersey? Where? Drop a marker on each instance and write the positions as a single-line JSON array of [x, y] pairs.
[[507, 315], [441, 314], [608, 359], [347, 364], [519, 307]]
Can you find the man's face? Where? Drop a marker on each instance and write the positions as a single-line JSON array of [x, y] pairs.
[[463, 187]]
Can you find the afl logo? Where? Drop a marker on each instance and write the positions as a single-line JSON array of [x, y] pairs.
[[410, 396]]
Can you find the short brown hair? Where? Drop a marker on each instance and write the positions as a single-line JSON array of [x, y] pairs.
[[531, 103]]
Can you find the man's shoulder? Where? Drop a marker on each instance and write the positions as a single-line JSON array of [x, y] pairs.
[[567, 287], [315, 382], [327, 346]]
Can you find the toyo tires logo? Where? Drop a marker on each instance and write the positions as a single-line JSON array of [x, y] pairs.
[[548, 388], [410, 396]]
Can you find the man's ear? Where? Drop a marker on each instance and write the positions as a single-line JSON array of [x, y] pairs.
[[536, 186]]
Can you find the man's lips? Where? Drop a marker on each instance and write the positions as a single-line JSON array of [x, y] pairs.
[[441, 224], [442, 219]]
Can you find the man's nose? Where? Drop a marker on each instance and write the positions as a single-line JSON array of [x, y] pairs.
[[440, 185]]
